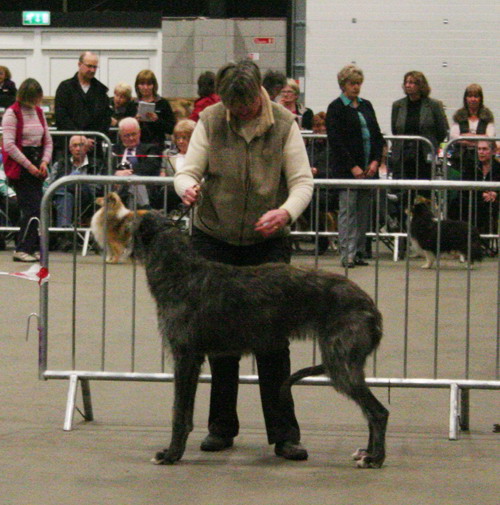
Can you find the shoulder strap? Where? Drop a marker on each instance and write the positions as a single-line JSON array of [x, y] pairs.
[[16, 107], [41, 118]]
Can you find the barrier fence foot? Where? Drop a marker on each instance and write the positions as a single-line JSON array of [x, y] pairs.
[[70, 403], [464, 409], [454, 412], [88, 413], [86, 240], [395, 252]]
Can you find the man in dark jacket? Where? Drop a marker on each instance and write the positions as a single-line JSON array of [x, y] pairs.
[[77, 163], [136, 158], [82, 103]]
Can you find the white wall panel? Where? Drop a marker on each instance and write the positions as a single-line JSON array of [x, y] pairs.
[[125, 69], [51, 55], [18, 66], [450, 42], [59, 68]]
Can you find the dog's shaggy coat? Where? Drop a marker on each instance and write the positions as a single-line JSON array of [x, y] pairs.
[[453, 235], [206, 307]]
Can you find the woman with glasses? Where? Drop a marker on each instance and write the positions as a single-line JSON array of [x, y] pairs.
[[289, 99]]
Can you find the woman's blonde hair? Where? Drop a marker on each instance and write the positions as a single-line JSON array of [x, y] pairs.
[[292, 83], [184, 126], [124, 89], [350, 73]]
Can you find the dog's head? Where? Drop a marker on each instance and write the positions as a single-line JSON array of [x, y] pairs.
[[111, 200], [421, 206], [147, 231]]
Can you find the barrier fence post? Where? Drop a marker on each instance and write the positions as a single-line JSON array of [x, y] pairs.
[[464, 409]]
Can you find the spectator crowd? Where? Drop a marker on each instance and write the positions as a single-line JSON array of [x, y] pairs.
[[148, 139]]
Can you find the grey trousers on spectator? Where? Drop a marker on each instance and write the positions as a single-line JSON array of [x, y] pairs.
[[354, 222]]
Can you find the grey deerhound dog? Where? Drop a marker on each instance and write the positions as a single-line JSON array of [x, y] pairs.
[[207, 308]]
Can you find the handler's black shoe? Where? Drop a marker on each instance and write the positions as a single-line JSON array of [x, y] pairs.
[[360, 262], [348, 264], [290, 450], [215, 443]]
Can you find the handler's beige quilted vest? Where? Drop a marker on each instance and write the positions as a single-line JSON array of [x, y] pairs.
[[243, 179]]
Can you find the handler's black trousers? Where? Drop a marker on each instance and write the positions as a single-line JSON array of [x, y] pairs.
[[273, 368]]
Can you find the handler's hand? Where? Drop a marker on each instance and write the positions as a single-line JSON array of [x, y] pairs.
[[357, 172], [272, 221], [124, 173], [371, 170], [191, 195]]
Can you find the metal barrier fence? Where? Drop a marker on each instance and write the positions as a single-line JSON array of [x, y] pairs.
[[99, 346], [73, 207], [391, 218], [9, 212], [317, 146]]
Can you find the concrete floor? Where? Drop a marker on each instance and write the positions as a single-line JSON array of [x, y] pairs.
[[107, 461]]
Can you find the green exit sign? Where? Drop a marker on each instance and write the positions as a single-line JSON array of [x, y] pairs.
[[36, 18]]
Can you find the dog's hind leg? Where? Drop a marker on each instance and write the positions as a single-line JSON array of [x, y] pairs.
[[377, 416], [344, 354], [187, 370]]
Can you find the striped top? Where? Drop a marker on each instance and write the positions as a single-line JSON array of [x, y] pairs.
[[33, 132]]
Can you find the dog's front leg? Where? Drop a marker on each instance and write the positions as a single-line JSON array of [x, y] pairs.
[[187, 370]]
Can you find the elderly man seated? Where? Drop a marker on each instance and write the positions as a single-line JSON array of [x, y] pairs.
[[77, 163], [136, 158]]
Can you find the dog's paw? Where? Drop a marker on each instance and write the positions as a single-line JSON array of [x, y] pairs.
[[164, 458], [426, 266], [368, 461], [359, 453]]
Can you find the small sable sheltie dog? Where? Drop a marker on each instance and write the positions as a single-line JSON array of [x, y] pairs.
[[111, 226], [453, 235]]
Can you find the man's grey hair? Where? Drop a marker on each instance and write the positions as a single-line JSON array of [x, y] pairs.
[[80, 139], [128, 121], [238, 83]]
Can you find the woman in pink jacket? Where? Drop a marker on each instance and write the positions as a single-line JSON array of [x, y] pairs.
[[27, 150]]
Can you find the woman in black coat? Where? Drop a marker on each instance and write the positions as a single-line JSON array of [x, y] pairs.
[[154, 125], [8, 89], [355, 153]]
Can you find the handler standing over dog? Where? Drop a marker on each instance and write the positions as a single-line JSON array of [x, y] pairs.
[[251, 158]]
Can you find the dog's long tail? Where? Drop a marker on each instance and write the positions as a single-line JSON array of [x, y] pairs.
[[476, 248], [286, 388]]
